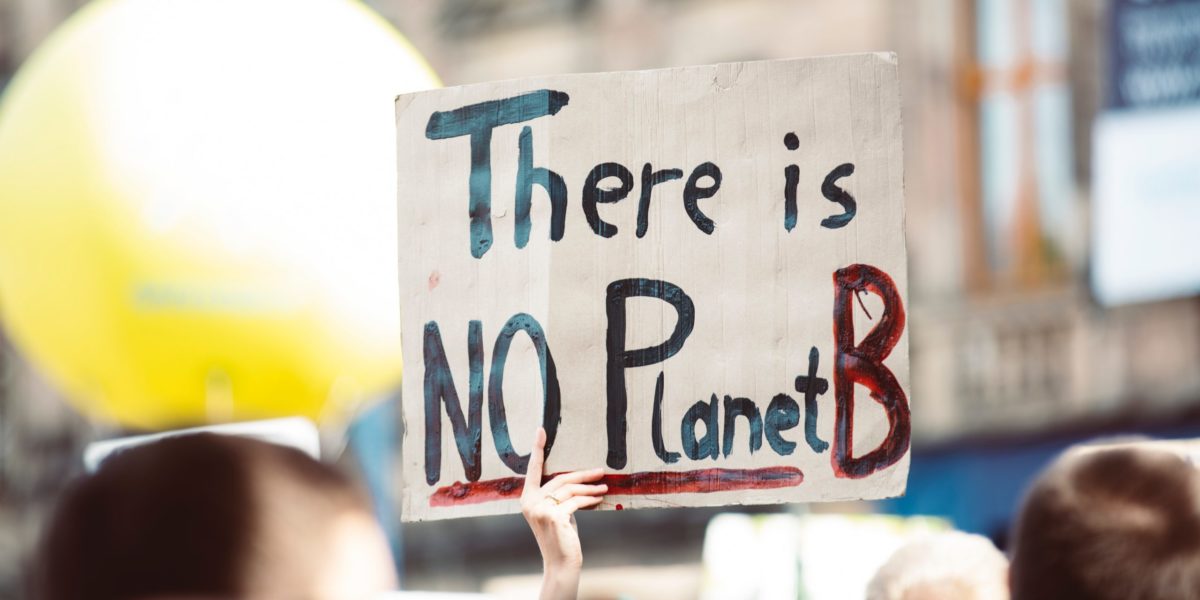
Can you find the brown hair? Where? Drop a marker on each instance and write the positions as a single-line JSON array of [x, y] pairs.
[[194, 515], [1118, 523]]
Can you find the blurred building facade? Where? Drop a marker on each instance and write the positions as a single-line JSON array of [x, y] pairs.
[[999, 100], [1008, 343]]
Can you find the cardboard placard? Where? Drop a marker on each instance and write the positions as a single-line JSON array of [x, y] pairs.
[[695, 277]]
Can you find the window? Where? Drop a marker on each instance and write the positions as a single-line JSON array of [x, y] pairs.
[[1018, 88]]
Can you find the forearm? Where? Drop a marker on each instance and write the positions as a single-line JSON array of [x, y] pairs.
[[560, 582]]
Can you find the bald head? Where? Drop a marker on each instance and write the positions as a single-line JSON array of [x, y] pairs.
[[945, 566]]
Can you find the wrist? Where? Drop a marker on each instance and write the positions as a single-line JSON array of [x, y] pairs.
[[565, 563]]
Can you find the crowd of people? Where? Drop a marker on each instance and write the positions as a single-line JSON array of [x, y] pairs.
[[218, 516], [1117, 522]]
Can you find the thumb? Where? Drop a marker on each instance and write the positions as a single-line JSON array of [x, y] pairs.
[[537, 456]]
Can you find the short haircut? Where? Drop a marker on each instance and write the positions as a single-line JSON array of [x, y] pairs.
[[194, 515], [951, 566], [1115, 523]]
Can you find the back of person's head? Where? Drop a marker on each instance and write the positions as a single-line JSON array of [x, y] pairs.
[[1114, 523], [947, 566], [206, 515]]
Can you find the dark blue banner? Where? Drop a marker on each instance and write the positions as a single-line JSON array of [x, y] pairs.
[[1154, 56]]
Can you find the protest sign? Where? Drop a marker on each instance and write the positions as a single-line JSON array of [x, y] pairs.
[[693, 277]]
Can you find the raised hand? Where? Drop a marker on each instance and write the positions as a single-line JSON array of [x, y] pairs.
[[550, 511]]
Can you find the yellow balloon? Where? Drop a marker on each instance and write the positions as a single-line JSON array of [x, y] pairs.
[[197, 208]]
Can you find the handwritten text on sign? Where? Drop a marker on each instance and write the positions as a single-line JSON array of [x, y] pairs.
[[694, 277]]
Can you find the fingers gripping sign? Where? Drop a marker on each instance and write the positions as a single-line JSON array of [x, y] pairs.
[[550, 510]]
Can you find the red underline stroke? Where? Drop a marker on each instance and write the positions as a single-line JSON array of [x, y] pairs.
[[701, 481]]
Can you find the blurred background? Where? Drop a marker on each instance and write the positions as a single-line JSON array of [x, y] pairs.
[[1053, 203]]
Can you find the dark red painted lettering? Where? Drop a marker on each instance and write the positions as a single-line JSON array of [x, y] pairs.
[[863, 364]]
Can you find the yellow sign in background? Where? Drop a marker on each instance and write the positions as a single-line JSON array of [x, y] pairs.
[[197, 218]]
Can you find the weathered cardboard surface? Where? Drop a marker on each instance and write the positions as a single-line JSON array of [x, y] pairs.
[[763, 296]]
